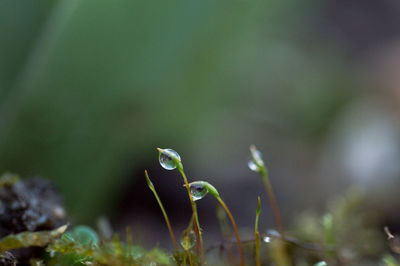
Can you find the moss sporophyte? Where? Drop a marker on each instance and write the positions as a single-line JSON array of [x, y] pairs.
[[170, 160], [256, 233], [257, 164], [332, 235], [199, 190]]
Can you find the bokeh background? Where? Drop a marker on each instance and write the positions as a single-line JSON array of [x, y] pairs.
[[89, 89]]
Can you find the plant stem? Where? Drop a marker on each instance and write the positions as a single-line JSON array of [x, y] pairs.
[[235, 229], [257, 234], [190, 258], [194, 210], [197, 226], [281, 256], [274, 204], [171, 233], [258, 243]]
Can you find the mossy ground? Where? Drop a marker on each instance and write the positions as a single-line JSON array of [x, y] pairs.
[[344, 235]]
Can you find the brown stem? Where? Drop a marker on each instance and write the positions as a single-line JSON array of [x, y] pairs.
[[283, 259], [235, 229], [274, 205], [196, 218]]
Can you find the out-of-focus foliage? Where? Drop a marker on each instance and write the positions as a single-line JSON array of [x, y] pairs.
[[67, 251], [348, 231], [30, 239], [88, 88], [389, 260]]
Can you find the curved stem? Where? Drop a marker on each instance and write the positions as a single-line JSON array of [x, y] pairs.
[[274, 204], [257, 234], [171, 233], [196, 220], [194, 209], [281, 257], [235, 229]]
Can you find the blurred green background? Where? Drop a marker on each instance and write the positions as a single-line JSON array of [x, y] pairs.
[[89, 89]]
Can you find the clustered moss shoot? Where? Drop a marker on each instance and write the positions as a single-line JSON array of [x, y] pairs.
[[339, 237]]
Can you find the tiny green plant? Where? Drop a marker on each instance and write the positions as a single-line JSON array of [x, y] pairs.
[[199, 190], [327, 222], [257, 164], [169, 160], [188, 240], [256, 233], [171, 232], [318, 240]]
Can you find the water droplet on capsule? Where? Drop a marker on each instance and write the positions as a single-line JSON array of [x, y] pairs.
[[256, 162], [257, 155], [166, 160], [197, 190], [266, 239], [253, 166], [188, 240]]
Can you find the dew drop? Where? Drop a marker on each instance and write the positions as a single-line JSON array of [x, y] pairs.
[[83, 235], [257, 155], [256, 162], [266, 239], [52, 253], [252, 165], [166, 159], [188, 240], [198, 190]]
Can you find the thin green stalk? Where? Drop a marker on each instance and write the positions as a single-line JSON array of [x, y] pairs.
[[239, 243], [280, 255], [194, 209], [257, 164], [257, 234], [151, 186], [187, 245], [273, 202], [190, 258]]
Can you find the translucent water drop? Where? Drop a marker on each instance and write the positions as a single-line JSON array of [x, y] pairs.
[[256, 162], [166, 160], [188, 240], [257, 155], [266, 239], [83, 235], [198, 190], [253, 166]]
